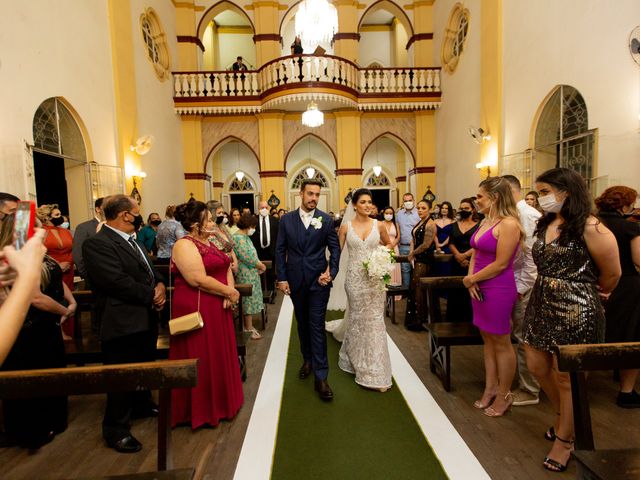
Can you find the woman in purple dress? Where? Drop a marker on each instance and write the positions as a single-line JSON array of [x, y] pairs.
[[492, 287]]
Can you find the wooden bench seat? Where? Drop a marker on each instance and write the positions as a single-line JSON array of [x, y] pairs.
[[179, 474], [390, 300], [442, 336], [595, 464]]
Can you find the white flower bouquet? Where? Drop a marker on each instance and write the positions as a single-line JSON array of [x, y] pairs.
[[379, 265]]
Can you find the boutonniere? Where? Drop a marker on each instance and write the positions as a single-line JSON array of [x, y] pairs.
[[316, 223]]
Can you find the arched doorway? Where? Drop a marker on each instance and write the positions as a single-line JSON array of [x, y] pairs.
[[394, 160], [288, 33], [310, 157], [384, 31], [226, 31], [380, 186]]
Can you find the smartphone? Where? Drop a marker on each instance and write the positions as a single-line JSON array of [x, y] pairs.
[[24, 225]]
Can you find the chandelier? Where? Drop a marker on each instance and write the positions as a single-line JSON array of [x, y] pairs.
[[312, 117], [316, 22]]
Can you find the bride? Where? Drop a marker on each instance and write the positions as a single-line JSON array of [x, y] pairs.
[[364, 350]]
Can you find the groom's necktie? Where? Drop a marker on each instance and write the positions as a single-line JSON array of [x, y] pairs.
[[306, 219], [263, 232]]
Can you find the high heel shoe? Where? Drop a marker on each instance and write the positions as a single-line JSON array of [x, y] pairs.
[[492, 412], [550, 434], [481, 406], [554, 465]]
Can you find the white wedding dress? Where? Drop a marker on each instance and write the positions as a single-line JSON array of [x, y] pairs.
[[364, 351]]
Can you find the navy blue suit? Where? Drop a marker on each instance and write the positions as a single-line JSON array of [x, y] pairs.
[[300, 260]]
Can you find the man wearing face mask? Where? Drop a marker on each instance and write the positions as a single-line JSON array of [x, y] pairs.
[[407, 218], [264, 240], [526, 273], [147, 235], [129, 293]]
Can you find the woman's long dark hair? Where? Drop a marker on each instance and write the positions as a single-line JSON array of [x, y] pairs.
[[576, 208]]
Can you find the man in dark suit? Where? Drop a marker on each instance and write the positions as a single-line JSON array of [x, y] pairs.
[[264, 240], [83, 231], [129, 292], [304, 273]]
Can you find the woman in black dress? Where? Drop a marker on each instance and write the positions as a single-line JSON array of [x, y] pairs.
[[33, 422], [421, 254], [459, 302], [622, 310]]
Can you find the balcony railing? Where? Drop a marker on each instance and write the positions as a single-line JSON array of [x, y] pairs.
[[307, 70]]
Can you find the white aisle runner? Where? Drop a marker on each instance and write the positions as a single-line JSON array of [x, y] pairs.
[[256, 457]]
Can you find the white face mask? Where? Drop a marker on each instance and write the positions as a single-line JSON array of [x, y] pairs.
[[251, 231], [264, 212], [65, 225], [225, 220], [388, 217], [408, 205], [550, 204]]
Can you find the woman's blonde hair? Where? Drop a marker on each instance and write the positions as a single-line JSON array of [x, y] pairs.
[[504, 205], [43, 212], [6, 238]]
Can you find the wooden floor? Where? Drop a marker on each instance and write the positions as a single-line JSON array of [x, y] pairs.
[[509, 448]]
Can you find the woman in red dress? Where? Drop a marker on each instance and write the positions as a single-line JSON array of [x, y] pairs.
[[59, 242], [204, 282]]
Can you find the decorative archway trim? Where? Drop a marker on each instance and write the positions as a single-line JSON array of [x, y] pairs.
[[348, 171], [217, 184], [395, 9], [401, 179], [190, 39], [416, 170], [224, 141], [267, 37], [418, 37], [395, 137], [197, 176], [296, 142], [272, 173], [217, 8]]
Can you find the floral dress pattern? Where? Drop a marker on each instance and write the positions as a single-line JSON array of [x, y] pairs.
[[247, 273]]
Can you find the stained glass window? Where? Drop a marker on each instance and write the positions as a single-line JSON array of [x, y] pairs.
[[378, 181], [243, 185], [300, 177]]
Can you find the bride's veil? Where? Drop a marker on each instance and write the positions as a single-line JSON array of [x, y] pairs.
[[338, 296]]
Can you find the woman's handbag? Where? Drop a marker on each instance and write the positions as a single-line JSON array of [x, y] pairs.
[[185, 323]]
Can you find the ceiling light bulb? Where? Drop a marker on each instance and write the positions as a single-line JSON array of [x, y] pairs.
[[311, 172], [239, 175], [377, 170]]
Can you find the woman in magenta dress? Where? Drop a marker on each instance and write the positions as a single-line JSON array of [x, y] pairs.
[[202, 277], [492, 287]]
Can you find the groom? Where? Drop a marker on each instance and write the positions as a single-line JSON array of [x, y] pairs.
[[301, 265]]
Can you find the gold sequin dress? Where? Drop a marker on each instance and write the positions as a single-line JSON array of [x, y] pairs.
[[564, 307]]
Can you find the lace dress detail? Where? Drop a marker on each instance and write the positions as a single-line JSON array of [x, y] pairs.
[[364, 350]]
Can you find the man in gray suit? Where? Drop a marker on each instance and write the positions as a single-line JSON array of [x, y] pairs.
[[83, 231]]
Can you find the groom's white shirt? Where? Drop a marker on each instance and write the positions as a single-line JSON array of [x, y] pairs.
[[306, 216]]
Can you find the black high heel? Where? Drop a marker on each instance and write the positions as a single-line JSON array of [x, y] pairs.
[[553, 465], [550, 434]]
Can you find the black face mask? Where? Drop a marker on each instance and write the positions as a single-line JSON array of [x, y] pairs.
[[464, 214], [137, 221], [155, 223], [57, 221], [219, 219]]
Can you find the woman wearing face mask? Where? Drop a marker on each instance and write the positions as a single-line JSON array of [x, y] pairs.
[[220, 236], [492, 286], [421, 253], [146, 237], [623, 309], [249, 270], [577, 260], [459, 302], [204, 282], [394, 238], [59, 242]]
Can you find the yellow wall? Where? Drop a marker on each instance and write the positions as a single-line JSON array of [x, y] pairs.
[[186, 24], [423, 23], [193, 160], [270, 128], [425, 150], [348, 149], [347, 23]]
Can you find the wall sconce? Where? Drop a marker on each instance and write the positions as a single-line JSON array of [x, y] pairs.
[[138, 177], [481, 165]]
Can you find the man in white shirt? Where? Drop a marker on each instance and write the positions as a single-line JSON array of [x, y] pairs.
[[525, 272]]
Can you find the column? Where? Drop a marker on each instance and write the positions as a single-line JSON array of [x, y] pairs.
[[346, 41], [266, 14], [425, 169], [349, 168], [188, 41], [272, 168], [196, 181], [422, 39], [491, 83]]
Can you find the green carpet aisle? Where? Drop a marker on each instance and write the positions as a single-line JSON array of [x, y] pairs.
[[362, 434]]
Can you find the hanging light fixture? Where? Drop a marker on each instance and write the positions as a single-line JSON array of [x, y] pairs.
[[316, 22], [310, 171], [239, 173], [312, 117], [377, 169]]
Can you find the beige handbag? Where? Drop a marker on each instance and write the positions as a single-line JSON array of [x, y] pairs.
[[185, 323]]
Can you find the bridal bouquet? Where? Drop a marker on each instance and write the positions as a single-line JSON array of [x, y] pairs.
[[379, 265]]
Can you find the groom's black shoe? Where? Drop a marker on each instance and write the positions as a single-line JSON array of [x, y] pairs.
[[324, 390], [305, 371]]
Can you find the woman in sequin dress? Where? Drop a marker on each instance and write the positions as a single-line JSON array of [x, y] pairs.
[[622, 310], [492, 287], [577, 260]]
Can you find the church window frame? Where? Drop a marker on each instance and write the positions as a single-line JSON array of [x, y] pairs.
[[154, 39], [455, 37]]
